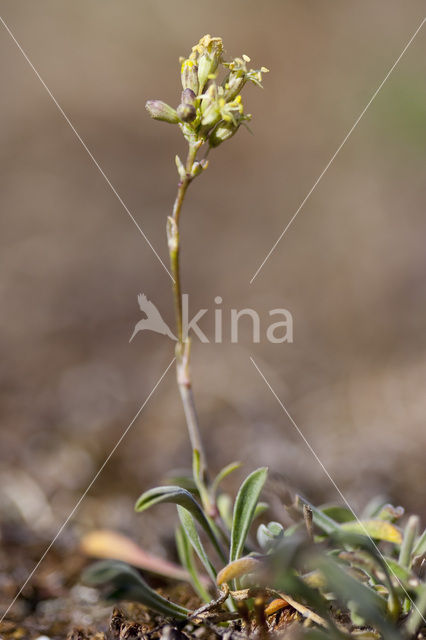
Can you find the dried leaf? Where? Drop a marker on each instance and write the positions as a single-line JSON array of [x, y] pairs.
[[238, 568], [115, 546]]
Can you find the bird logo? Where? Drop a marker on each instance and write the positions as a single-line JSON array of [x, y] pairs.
[[153, 320]]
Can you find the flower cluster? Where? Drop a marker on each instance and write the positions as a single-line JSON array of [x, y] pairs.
[[209, 111]]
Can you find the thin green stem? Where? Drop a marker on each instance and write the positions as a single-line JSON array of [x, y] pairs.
[[183, 344]]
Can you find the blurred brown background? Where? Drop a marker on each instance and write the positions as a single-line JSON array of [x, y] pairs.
[[351, 269]]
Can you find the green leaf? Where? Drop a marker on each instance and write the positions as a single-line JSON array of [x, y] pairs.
[[183, 480], [418, 612], [233, 466], [377, 529], [126, 584], [270, 535], [177, 495], [411, 532], [244, 508], [337, 513], [188, 525], [261, 508], [186, 557], [420, 546], [199, 481], [360, 598]]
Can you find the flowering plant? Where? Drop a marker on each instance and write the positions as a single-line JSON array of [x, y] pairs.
[[329, 570]]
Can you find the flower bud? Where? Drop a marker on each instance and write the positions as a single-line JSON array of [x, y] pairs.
[[233, 85], [159, 110], [186, 112], [211, 115], [223, 131], [181, 169], [198, 167], [210, 107], [189, 75], [188, 97]]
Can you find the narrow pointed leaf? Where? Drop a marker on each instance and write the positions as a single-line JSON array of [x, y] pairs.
[[420, 546], [244, 508], [261, 508], [233, 466], [126, 584], [411, 532], [186, 557], [224, 505], [199, 481], [177, 495], [188, 525]]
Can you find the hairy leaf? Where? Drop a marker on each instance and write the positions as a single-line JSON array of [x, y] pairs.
[[411, 532], [224, 506], [270, 535], [244, 508], [261, 508], [418, 612], [126, 584], [183, 498], [186, 557], [188, 525], [420, 546], [233, 466], [363, 600]]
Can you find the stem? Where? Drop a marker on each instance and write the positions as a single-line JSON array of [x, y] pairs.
[[183, 342]]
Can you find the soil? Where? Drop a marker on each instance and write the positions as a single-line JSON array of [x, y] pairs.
[[55, 605]]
